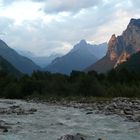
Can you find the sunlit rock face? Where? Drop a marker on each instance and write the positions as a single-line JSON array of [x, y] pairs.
[[112, 48], [123, 58], [120, 48], [117, 51]]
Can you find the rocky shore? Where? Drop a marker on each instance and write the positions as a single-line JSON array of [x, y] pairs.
[[124, 107], [78, 136], [12, 109], [72, 137], [129, 109]]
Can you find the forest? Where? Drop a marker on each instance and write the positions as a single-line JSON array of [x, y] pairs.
[[116, 83]]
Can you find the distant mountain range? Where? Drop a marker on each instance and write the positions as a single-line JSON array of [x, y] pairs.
[[82, 55], [6, 66], [122, 51], [21, 63], [120, 48], [41, 61]]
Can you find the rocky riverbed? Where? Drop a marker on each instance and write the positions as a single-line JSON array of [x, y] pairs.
[[124, 107], [21, 120]]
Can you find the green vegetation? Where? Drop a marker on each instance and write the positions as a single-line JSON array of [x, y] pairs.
[[78, 84]]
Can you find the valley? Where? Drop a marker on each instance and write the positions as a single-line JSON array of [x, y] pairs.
[[69, 69]]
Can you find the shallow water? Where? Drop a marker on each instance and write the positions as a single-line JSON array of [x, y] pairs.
[[51, 122]]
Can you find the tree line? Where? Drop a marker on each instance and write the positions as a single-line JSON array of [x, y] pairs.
[[115, 83]]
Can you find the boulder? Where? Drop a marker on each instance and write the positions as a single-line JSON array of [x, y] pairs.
[[72, 137], [136, 117], [4, 127]]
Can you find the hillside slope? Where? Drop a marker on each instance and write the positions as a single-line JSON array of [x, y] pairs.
[[21, 63]]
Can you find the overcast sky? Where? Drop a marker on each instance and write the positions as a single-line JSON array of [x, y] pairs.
[[54, 26]]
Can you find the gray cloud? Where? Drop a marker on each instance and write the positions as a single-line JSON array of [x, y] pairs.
[[5, 24], [55, 36], [93, 20], [136, 3], [55, 6]]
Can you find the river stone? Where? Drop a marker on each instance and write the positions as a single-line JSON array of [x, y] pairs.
[[72, 137], [19, 110], [4, 126], [88, 113], [137, 117], [128, 112]]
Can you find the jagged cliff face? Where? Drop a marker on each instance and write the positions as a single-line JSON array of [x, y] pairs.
[[132, 36], [120, 48], [112, 48]]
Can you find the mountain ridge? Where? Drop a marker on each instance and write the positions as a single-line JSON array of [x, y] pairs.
[[120, 48], [21, 63], [76, 59], [41, 61], [7, 67]]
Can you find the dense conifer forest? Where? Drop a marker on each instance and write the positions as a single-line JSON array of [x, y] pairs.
[[115, 83]]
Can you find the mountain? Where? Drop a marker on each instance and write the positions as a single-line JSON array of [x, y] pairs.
[[82, 55], [6, 66], [21, 63], [120, 48], [132, 64], [41, 61], [44, 61]]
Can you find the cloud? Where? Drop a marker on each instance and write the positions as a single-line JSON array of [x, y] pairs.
[[8, 2], [67, 5], [32, 36], [5, 24], [57, 29], [56, 6], [135, 3], [57, 36]]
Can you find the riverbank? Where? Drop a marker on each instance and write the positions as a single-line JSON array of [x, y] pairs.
[[55, 120], [128, 108]]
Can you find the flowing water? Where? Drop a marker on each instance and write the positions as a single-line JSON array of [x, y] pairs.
[[51, 122]]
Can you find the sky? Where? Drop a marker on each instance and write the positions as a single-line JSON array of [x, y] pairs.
[[46, 27]]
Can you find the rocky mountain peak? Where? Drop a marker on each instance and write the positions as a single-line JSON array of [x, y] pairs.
[[111, 49], [131, 36], [135, 22], [81, 45], [120, 48], [112, 41], [83, 42]]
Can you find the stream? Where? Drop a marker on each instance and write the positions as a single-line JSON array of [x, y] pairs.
[[50, 122]]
